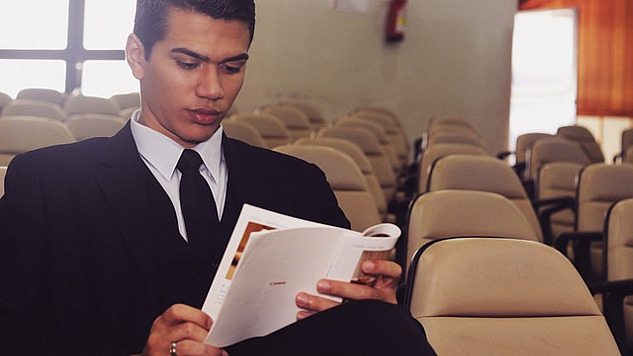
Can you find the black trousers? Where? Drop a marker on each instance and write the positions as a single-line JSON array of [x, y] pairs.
[[365, 327]]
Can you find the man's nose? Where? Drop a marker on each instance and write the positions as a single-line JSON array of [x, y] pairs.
[[210, 84]]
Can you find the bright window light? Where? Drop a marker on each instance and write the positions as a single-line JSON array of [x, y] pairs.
[[22, 74], [33, 24], [108, 23], [106, 78]]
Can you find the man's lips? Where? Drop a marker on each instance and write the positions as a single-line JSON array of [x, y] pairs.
[[204, 116]]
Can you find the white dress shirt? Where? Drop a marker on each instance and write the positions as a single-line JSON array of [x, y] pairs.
[[161, 154]]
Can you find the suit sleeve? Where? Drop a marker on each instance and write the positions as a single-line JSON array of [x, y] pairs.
[[24, 301]]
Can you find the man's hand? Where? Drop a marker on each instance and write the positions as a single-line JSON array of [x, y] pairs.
[[184, 325], [387, 274]]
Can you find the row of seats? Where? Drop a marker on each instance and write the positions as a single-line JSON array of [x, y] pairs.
[[44, 117], [52, 104], [465, 191]]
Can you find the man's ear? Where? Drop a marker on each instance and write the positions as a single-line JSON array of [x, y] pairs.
[[135, 55]]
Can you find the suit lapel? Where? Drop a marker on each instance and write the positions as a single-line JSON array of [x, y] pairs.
[[122, 178]]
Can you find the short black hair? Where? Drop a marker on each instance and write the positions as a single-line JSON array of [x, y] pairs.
[[150, 22]]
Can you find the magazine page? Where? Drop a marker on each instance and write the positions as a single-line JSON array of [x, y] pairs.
[[276, 265], [251, 219]]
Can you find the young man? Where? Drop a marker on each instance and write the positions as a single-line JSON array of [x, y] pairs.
[[96, 251]]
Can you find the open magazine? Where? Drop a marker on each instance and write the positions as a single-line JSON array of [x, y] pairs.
[[270, 258]]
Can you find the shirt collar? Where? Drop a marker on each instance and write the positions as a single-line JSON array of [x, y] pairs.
[[163, 153]]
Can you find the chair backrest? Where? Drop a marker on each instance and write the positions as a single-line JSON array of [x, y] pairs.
[[434, 152], [374, 152], [483, 173], [80, 104], [311, 110], [361, 161], [380, 133], [619, 230], [346, 180], [558, 180], [87, 125], [124, 101], [628, 155], [553, 149], [296, 121], [461, 137], [269, 126], [626, 142], [524, 142], [4, 100], [50, 95], [20, 134], [395, 132], [38, 108], [243, 132], [584, 137], [619, 256], [599, 186], [450, 213], [492, 296], [3, 171], [450, 121]]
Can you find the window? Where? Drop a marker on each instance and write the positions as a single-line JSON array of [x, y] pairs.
[[19, 74], [106, 78], [34, 24], [43, 41], [108, 23]]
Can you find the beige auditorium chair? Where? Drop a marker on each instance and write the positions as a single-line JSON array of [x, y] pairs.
[[380, 133], [599, 186], [20, 134], [41, 94], [628, 156], [619, 257], [494, 296], [396, 133], [243, 132], [80, 104], [483, 173], [296, 121], [363, 163], [584, 137], [451, 213], [450, 121], [459, 137], [374, 152], [552, 164], [3, 171], [84, 126], [523, 144], [626, 144], [269, 126], [124, 101], [555, 197], [439, 150], [315, 116], [346, 180], [38, 108]]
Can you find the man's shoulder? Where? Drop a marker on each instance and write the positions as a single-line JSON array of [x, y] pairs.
[[270, 159]]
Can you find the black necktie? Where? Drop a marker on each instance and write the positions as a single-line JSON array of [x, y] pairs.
[[196, 199]]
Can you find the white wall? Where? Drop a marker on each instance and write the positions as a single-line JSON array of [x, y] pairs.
[[455, 60]]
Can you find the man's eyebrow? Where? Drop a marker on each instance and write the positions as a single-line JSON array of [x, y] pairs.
[[190, 53]]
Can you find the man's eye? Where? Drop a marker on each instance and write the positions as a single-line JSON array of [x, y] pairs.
[[187, 66], [231, 68]]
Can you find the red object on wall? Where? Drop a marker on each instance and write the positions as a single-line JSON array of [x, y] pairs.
[[395, 21]]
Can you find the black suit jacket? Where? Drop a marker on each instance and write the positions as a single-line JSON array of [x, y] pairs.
[[75, 231]]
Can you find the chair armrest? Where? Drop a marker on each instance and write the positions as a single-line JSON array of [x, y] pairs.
[[551, 206], [613, 293], [582, 243]]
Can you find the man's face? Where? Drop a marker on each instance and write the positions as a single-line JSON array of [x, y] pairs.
[[192, 76]]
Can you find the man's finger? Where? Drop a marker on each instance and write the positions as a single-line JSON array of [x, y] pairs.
[[179, 313]]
